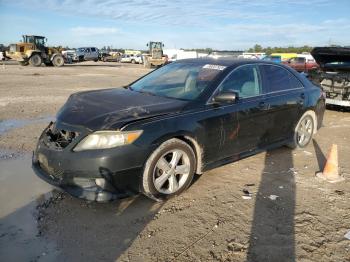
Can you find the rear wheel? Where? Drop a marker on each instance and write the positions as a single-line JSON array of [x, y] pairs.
[[35, 60], [304, 131], [58, 61], [169, 170], [133, 61]]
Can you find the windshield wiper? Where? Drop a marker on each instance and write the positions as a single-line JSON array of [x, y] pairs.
[[128, 87]]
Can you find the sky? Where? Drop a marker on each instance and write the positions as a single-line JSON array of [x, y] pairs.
[[217, 24]]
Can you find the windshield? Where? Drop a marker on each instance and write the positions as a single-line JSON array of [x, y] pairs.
[[178, 80]]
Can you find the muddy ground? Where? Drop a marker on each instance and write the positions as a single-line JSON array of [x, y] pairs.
[[211, 221]]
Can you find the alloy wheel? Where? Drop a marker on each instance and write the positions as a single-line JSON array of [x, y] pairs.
[[171, 171], [305, 130]]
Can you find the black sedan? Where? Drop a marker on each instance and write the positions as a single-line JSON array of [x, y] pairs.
[[179, 120]]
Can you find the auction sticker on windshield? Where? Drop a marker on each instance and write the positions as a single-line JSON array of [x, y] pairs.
[[216, 67]]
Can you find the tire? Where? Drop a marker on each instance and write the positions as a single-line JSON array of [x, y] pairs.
[[58, 61], [35, 60], [178, 158], [304, 130], [133, 61], [148, 65]]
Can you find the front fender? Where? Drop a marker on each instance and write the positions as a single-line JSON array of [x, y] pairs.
[[183, 127], [29, 53]]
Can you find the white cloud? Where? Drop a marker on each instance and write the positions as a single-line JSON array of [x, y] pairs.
[[180, 12], [221, 24], [93, 31]]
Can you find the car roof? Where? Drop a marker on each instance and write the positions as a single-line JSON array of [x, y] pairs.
[[224, 61], [234, 62]]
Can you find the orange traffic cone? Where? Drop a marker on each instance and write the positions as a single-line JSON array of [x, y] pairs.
[[331, 171]]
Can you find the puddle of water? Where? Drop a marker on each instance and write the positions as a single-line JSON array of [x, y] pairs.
[[20, 193], [7, 125]]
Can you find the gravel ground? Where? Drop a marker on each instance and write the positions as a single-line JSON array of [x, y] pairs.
[[291, 215]]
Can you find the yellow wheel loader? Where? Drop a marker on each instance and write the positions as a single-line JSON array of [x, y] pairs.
[[32, 51], [155, 57]]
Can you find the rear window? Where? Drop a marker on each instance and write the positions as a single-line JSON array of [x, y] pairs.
[[279, 79]]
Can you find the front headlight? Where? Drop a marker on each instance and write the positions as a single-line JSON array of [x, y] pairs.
[[107, 139]]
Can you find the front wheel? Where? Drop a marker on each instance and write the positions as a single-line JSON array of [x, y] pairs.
[[169, 170], [35, 60], [304, 131], [58, 61]]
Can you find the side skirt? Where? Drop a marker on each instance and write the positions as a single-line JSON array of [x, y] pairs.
[[245, 154]]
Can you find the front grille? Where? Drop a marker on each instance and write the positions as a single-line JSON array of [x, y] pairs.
[[58, 137]]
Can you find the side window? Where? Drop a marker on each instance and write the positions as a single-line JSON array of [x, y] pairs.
[[279, 79], [244, 80], [87, 50], [93, 49], [300, 59], [292, 60]]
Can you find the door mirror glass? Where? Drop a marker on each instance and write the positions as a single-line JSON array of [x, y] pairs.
[[227, 97]]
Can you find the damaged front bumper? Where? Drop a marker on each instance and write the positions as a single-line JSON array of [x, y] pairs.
[[95, 175]]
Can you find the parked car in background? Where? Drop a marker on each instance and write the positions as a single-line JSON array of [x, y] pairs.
[[68, 55], [134, 59], [86, 54], [276, 58], [184, 118], [285, 56], [108, 57], [302, 64]]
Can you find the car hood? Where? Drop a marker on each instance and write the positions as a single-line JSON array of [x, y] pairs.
[[332, 57], [113, 108]]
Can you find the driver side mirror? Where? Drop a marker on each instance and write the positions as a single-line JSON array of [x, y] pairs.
[[227, 97]]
